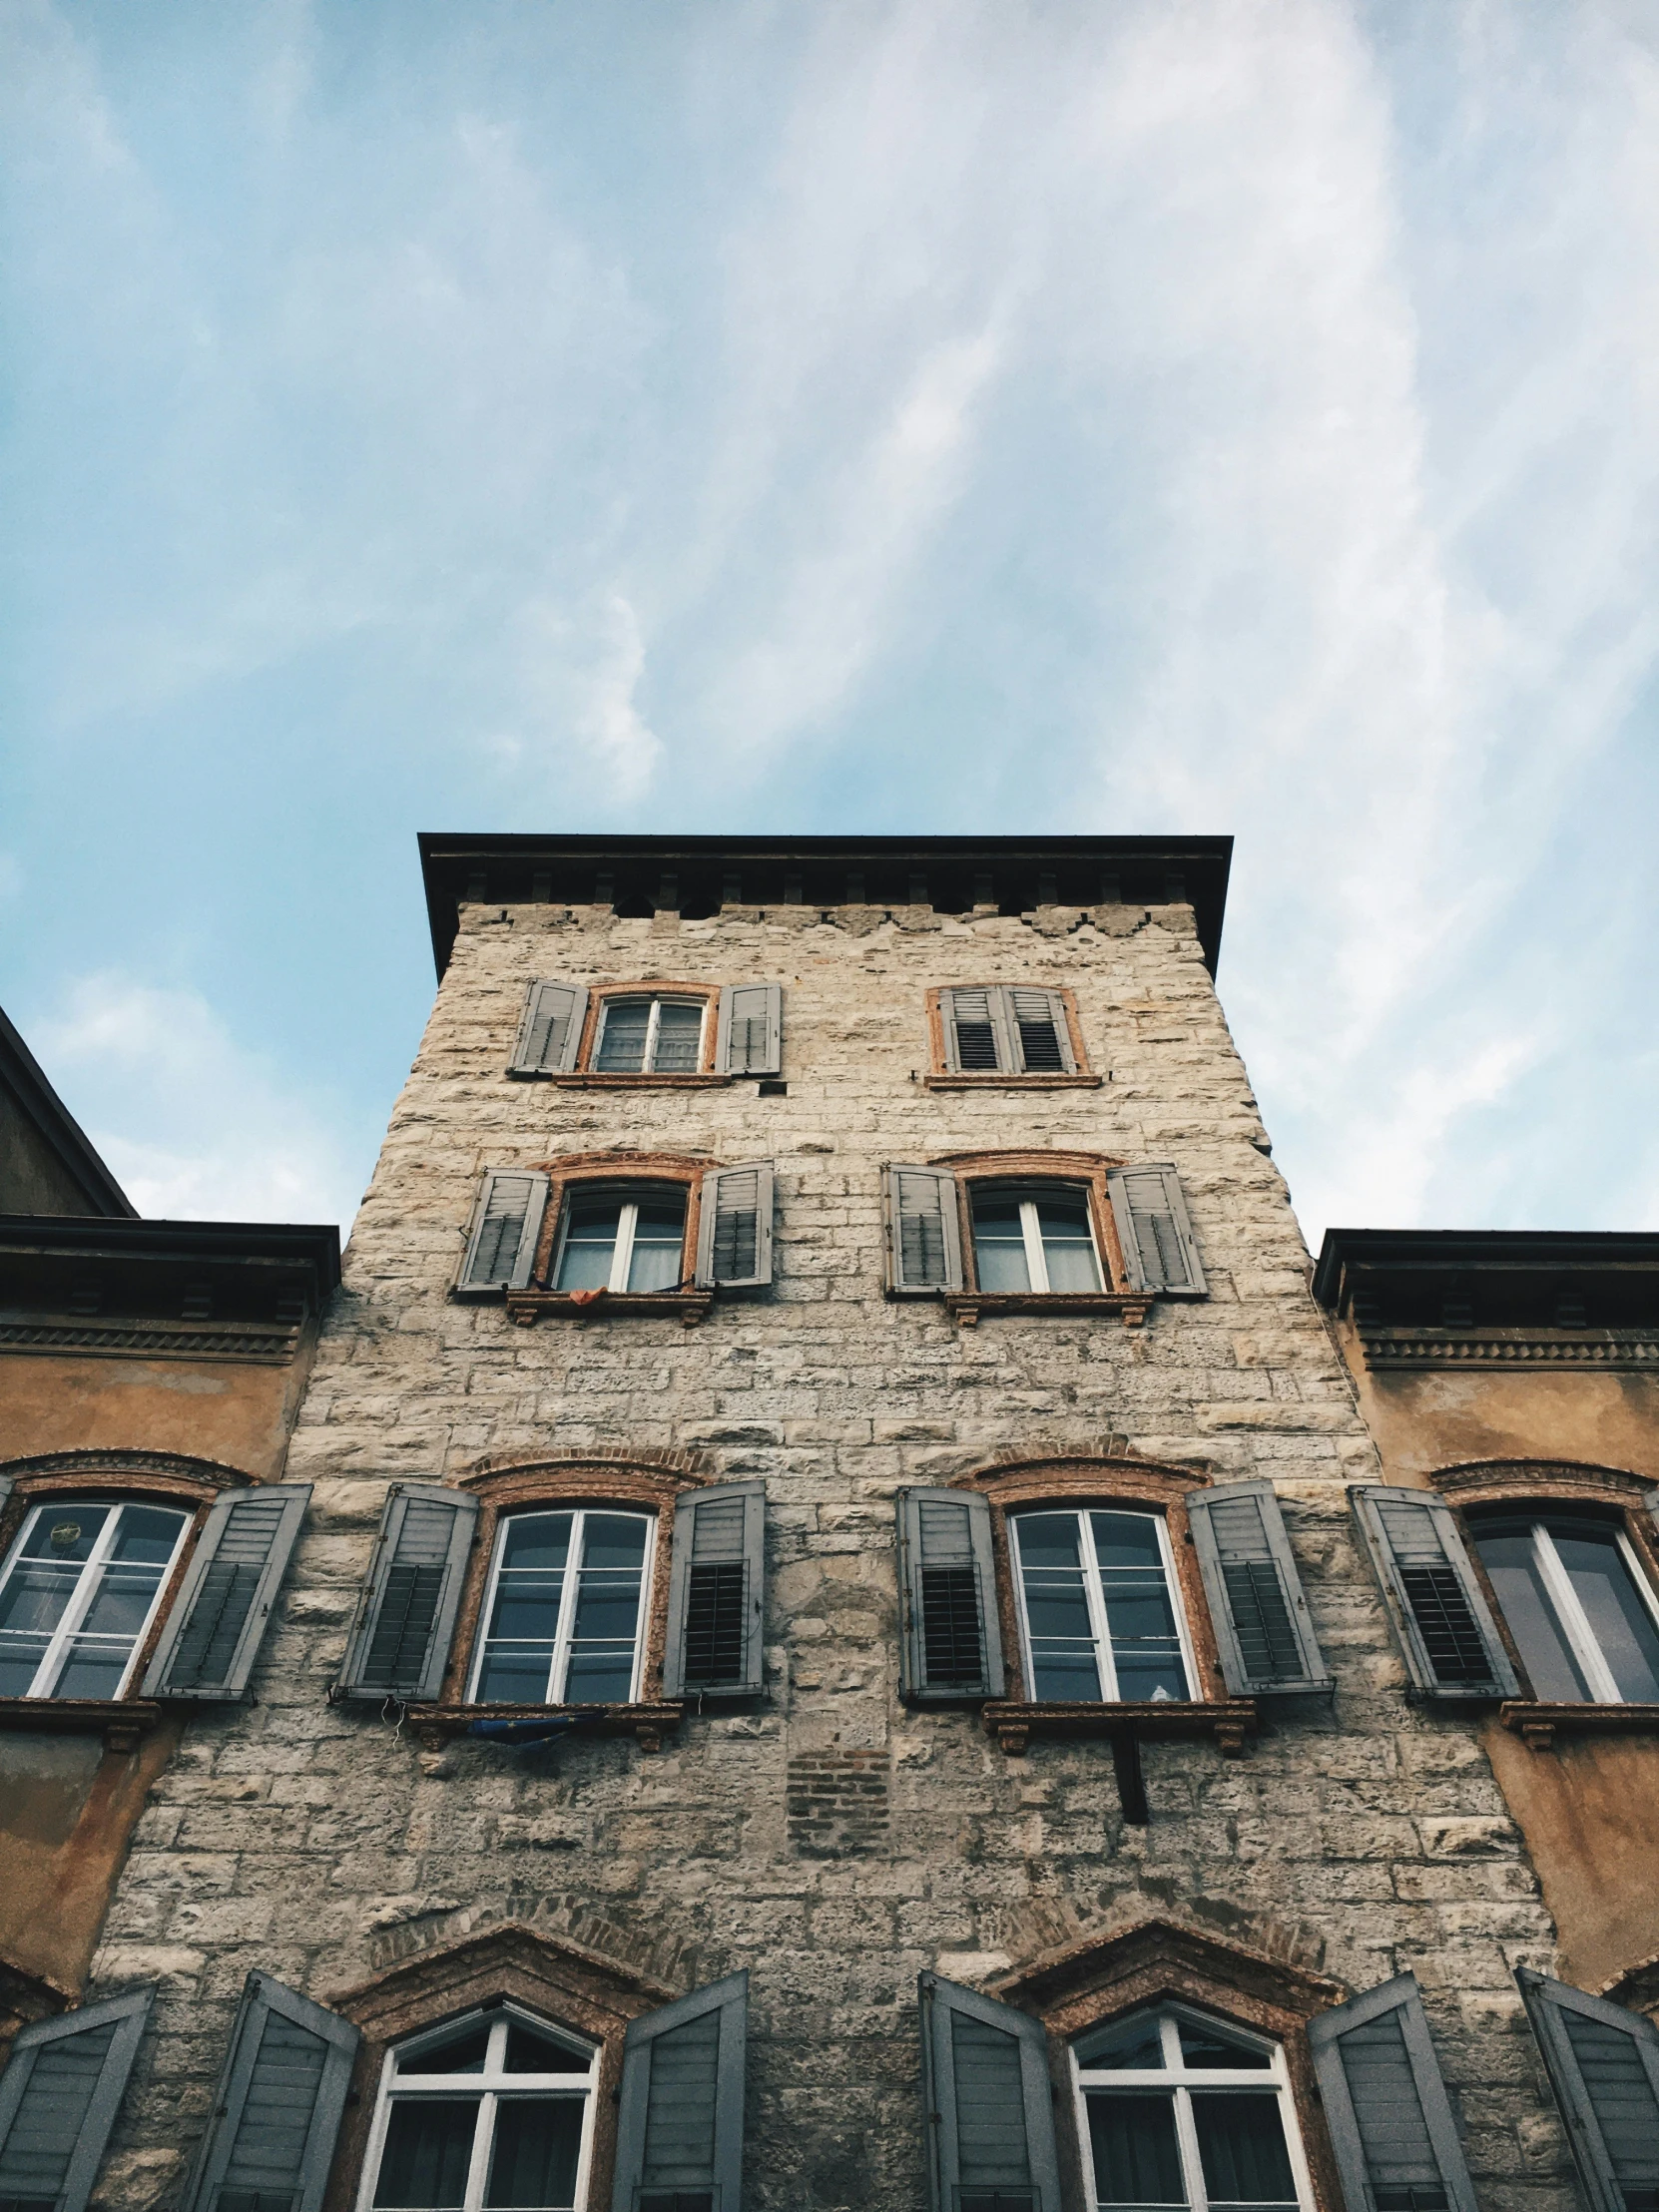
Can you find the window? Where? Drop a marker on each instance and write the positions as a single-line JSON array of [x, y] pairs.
[[495, 2110], [621, 1240], [650, 1036], [991, 1032], [1577, 1604], [684, 1033], [1177, 2111], [78, 1593], [563, 1608], [1098, 1613], [1033, 1239]]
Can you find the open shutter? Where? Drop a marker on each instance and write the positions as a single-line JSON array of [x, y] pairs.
[[1385, 2105], [399, 1642], [977, 1040], [59, 2096], [1445, 1626], [680, 2126], [550, 1035], [1037, 1024], [950, 1646], [277, 2111], [1603, 2066], [213, 1631], [925, 1240], [502, 1243], [733, 1232], [1155, 1230], [989, 2114], [1264, 1631], [750, 1034], [717, 1593]]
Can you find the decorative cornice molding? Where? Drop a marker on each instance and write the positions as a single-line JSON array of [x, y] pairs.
[[250, 1343], [1609, 1350]]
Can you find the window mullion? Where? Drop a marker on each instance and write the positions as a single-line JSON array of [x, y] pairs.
[[1096, 1596], [1192, 2165], [85, 1588], [622, 1257], [653, 1028], [567, 1607], [484, 2141], [1575, 1624], [1036, 1259]]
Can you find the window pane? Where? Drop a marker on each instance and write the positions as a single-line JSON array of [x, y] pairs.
[[462, 2053], [999, 1245], [66, 1534], [1068, 1247], [1140, 1612], [621, 1042], [44, 1575], [539, 1540], [428, 2149], [1510, 1559], [607, 1609], [93, 1670], [679, 1039], [524, 1613], [1241, 2145], [538, 2141], [528, 2053], [146, 1537], [659, 1240], [1127, 2043], [1204, 2046], [1621, 1622], [1136, 2161], [590, 1243], [1056, 1607]]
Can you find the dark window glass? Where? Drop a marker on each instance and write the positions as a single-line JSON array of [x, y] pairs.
[[428, 2150], [462, 2053], [1136, 2161], [1241, 2145], [528, 2053], [538, 2141]]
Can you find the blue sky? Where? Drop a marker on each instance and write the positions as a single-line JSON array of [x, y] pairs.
[[938, 415]]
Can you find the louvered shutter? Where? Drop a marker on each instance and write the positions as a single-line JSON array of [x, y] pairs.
[[1445, 1626], [717, 1593], [1603, 2066], [277, 2111], [1264, 1631], [977, 1040], [1037, 1025], [213, 1633], [989, 2111], [950, 1645], [925, 1240], [733, 1232], [1155, 1230], [1385, 2105], [59, 2096], [550, 1035], [749, 1039], [506, 1221], [399, 1642], [680, 2125]]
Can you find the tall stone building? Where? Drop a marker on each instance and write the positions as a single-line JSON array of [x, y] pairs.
[[832, 1635]]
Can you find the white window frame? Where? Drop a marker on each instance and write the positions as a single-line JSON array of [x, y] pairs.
[[653, 1029], [1570, 1615], [564, 1633], [1095, 1595], [1028, 1197], [491, 2084], [1180, 2078], [91, 1581], [628, 1221]]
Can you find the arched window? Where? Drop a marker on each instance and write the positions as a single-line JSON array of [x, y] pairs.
[[1577, 1602], [564, 1609], [79, 1592], [1098, 1607]]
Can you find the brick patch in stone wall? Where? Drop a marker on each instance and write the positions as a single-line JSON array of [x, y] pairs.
[[837, 1802]]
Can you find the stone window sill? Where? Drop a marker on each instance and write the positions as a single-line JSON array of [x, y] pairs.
[[1000, 1080], [970, 1306], [598, 1082], [526, 1308], [120, 1721], [648, 1723], [1537, 1724], [1228, 1720]]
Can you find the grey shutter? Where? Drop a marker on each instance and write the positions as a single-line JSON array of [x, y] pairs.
[[1444, 1625], [988, 2108], [399, 1642], [1264, 1631], [213, 1631], [977, 1040], [550, 1035], [1155, 1230], [680, 2126], [1603, 2066], [717, 1593], [59, 2096], [950, 1645], [750, 1034], [278, 2110], [924, 1241], [1385, 2105], [502, 1243], [1037, 1025], [734, 1230]]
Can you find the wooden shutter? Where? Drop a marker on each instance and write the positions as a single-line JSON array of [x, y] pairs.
[[1385, 2105], [680, 2126], [976, 1035], [1155, 1230], [277, 2109], [59, 2096], [502, 1243], [213, 1631], [399, 1642], [1444, 1625], [950, 1645], [989, 2113], [751, 1035], [717, 1593], [1036, 1022], [550, 1035], [733, 1232], [925, 1240], [1603, 2066], [1264, 1631]]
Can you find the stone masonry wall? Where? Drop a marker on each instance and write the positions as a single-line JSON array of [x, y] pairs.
[[833, 1840]]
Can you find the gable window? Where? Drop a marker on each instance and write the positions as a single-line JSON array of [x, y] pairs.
[[563, 1609], [1577, 1602], [650, 1036], [628, 1240], [80, 1592], [1033, 1238], [1098, 1613]]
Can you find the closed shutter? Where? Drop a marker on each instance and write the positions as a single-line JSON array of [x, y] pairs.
[[680, 2123], [501, 1244], [733, 1233], [1037, 1024], [1603, 2066], [1444, 1625], [399, 1642], [950, 1646], [988, 2107], [59, 2096], [924, 1241], [1155, 1230], [213, 1631], [1264, 1631], [750, 1034], [717, 1593], [977, 1040], [1390, 2122], [550, 1035], [280, 2095]]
